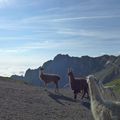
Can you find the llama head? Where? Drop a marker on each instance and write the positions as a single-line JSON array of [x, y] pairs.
[[91, 78], [69, 71], [41, 68]]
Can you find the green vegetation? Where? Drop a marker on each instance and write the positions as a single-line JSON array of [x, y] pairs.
[[116, 83]]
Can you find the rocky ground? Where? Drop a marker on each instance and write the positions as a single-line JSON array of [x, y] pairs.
[[23, 102]]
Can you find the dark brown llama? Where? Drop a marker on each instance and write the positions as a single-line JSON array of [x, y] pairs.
[[49, 78], [78, 85]]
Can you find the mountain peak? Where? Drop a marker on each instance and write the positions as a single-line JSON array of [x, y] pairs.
[[61, 56]]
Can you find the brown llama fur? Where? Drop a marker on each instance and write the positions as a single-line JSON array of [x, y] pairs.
[[49, 78], [78, 85]]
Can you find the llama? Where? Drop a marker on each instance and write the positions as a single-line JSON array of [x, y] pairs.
[[101, 109], [49, 78], [78, 85]]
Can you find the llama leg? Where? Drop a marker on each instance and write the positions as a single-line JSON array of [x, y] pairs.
[[87, 94], [88, 97], [56, 89], [83, 94], [45, 86], [75, 95]]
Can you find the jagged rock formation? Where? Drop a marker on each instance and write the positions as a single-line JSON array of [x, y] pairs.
[[106, 68]]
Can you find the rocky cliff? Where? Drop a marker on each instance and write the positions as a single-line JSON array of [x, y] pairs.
[[106, 68]]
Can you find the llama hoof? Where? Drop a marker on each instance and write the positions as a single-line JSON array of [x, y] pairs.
[[45, 89], [75, 100]]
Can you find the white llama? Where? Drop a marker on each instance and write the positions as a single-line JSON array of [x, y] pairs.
[[101, 109]]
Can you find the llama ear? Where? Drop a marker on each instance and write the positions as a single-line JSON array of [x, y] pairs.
[[41, 68]]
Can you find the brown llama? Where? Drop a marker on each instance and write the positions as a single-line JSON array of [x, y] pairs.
[[78, 85], [49, 78]]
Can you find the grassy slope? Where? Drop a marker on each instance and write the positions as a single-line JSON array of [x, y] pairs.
[[110, 71], [116, 83]]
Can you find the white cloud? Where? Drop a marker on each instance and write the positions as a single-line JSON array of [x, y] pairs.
[[17, 38], [45, 21], [3, 3], [14, 64], [52, 44], [77, 32], [42, 45], [6, 3], [85, 17], [108, 35]]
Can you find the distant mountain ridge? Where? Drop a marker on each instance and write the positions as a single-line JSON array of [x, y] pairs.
[[106, 68]]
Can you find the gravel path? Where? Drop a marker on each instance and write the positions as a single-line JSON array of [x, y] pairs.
[[23, 102]]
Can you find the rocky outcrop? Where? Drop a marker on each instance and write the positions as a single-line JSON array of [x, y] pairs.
[[32, 77], [104, 67]]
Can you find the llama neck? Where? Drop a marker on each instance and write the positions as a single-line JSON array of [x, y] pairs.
[[71, 77], [41, 74], [94, 92]]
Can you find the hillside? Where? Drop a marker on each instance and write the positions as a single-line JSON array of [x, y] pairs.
[[106, 68], [111, 71], [116, 84], [24, 102]]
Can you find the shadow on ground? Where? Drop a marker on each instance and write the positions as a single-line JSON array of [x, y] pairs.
[[86, 104], [58, 97]]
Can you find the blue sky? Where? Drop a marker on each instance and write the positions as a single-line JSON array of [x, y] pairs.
[[34, 31]]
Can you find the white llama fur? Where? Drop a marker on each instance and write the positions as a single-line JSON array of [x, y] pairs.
[[101, 109]]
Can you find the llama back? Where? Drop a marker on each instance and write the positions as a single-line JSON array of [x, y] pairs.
[[78, 84], [50, 77]]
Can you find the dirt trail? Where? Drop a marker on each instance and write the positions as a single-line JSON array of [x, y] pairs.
[[23, 102]]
